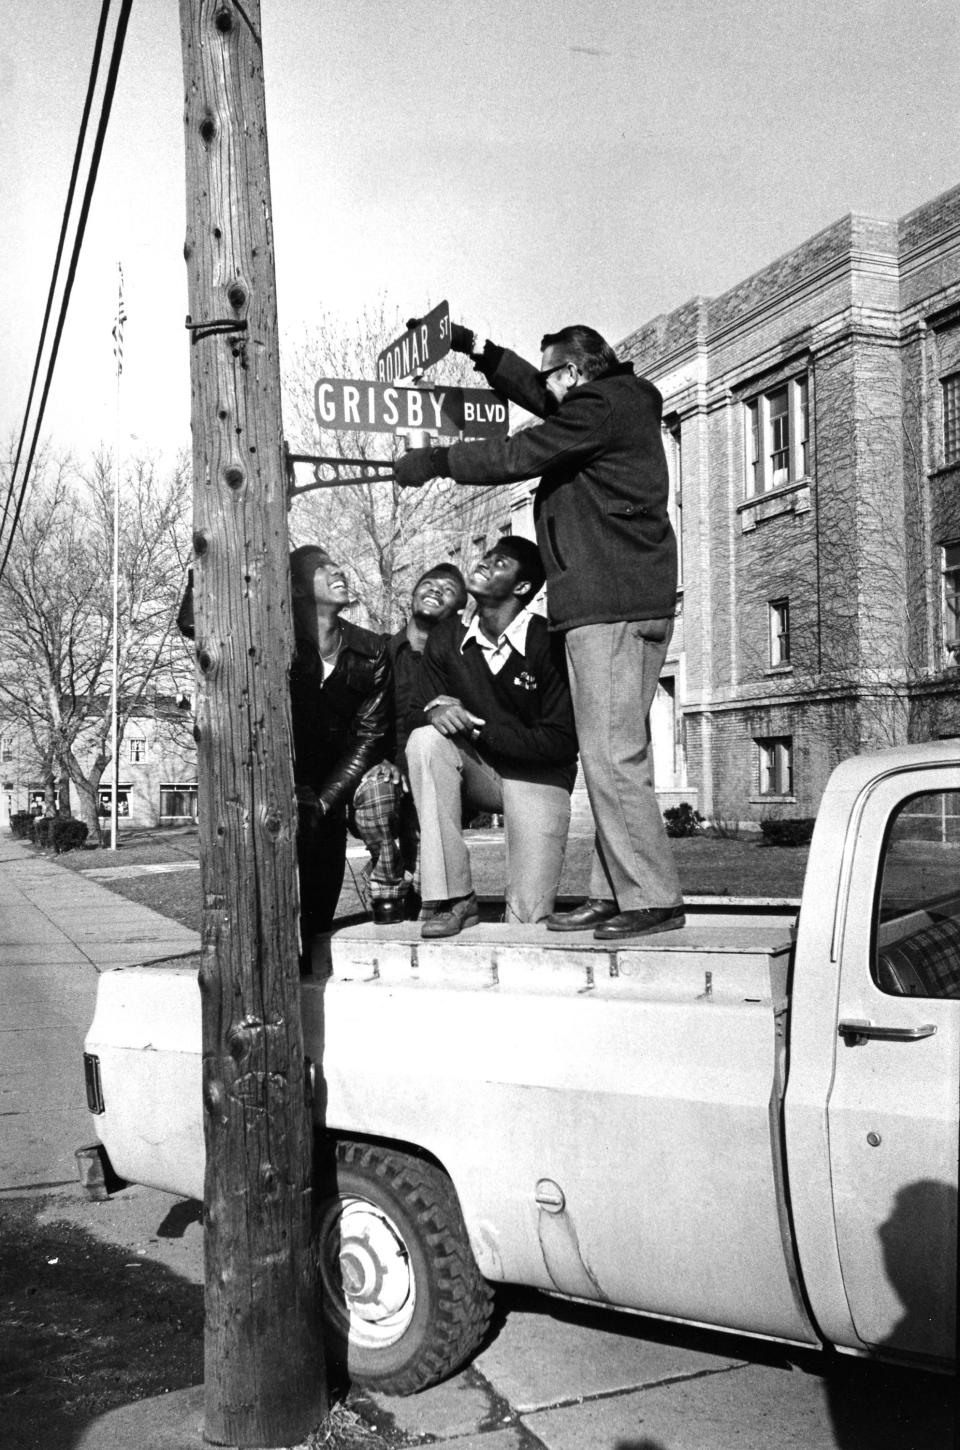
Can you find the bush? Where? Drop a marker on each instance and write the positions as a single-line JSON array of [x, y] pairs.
[[59, 833], [682, 820], [68, 834], [787, 833], [21, 825]]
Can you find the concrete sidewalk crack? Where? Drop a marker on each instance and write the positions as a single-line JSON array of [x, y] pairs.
[[674, 1379]]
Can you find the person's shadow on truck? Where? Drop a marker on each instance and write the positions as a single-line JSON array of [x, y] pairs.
[[878, 1407]]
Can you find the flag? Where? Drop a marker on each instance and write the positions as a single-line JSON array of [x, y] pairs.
[[118, 325]]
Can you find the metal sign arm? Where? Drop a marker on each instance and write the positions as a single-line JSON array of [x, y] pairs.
[[330, 472]]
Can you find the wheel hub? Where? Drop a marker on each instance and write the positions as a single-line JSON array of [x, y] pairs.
[[366, 1272]]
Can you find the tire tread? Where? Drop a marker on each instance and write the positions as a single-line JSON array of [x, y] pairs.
[[463, 1298]]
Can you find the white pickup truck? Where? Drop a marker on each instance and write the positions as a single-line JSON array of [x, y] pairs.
[[750, 1124]]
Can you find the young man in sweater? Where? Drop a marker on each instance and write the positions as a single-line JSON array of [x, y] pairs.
[[499, 737]]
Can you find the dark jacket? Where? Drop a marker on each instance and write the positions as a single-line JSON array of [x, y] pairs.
[[601, 507], [344, 725], [406, 663], [526, 705]]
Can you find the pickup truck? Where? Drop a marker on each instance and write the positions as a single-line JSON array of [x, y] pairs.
[[751, 1123]]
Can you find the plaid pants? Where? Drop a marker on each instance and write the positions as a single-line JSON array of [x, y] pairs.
[[381, 818]]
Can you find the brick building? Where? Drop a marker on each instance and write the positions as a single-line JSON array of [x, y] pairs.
[[812, 427]]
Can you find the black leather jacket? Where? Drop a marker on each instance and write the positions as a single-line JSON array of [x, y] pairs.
[[344, 725]]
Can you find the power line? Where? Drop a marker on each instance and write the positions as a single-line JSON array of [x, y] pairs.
[[107, 103], [71, 189]]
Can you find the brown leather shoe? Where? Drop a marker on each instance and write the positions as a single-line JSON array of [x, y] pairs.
[[452, 916], [641, 923], [589, 913]]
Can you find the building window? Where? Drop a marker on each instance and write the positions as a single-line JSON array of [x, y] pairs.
[[6, 749], [951, 418], [779, 633], [178, 802], [951, 600], [136, 749], [775, 756], [673, 447], [106, 799], [777, 425]]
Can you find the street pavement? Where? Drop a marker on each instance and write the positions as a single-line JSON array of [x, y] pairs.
[[553, 1376]]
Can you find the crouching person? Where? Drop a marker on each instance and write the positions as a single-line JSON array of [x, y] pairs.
[[383, 805], [341, 708], [500, 738]]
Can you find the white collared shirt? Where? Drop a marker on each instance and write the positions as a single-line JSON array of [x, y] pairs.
[[497, 652]]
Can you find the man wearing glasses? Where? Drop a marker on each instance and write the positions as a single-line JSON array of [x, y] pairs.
[[610, 556]]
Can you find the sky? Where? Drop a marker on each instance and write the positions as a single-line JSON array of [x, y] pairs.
[[534, 162]]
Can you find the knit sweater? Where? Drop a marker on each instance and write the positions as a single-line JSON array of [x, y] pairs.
[[526, 705]]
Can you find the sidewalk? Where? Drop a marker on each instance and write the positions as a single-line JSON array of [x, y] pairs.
[[58, 931], [554, 1376]]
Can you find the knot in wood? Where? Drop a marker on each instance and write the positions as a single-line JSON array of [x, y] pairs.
[[237, 294], [208, 129], [213, 1096], [201, 543], [223, 20], [254, 1088], [272, 822], [234, 476], [243, 1036]]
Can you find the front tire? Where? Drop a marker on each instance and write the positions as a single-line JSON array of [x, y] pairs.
[[403, 1301]]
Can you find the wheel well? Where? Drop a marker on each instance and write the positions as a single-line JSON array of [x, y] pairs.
[[326, 1137]]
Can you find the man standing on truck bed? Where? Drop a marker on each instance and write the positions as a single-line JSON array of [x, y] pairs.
[[500, 738], [611, 564]]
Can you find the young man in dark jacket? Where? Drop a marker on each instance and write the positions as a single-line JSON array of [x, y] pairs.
[[500, 737], [611, 564], [341, 700]]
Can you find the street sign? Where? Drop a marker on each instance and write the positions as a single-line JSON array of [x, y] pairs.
[[419, 347], [350, 403]]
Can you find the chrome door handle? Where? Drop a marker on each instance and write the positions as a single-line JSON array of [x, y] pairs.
[[855, 1034]]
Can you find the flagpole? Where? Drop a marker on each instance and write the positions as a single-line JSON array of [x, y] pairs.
[[115, 694]]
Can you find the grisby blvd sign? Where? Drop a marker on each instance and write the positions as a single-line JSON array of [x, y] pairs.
[[350, 403], [418, 348]]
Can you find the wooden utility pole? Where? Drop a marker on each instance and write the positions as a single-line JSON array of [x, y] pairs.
[[264, 1372]]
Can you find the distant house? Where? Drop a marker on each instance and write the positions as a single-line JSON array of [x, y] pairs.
[[157, 770]]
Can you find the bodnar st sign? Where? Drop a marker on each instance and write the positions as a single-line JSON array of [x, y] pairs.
[[352, 404], [419, 347]]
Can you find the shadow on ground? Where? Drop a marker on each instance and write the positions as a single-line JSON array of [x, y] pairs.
[[87, 1326]]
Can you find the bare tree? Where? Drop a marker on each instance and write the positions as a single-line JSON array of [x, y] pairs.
[[386, 535], [56, 612]]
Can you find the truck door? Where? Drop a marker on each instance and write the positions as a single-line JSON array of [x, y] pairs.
[[893, 1103]]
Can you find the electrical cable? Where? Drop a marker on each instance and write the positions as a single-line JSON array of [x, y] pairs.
[[108, 95], [68, 207]]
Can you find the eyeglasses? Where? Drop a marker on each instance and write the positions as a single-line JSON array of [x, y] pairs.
[[548, 373]]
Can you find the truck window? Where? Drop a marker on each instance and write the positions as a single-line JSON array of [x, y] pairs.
[[917, 923]]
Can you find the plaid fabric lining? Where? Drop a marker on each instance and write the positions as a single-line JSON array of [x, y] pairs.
[[930, 959], [375, 818]]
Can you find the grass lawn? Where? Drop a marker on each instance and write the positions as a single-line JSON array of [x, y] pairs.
[[708, 865]]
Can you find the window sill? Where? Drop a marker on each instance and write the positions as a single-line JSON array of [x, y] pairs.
[[772, 800], [793, 498], [778, 670]]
